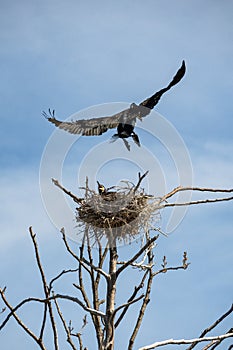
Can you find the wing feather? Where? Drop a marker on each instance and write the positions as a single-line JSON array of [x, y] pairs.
[[152, 101], [98, 126], [87, 127]]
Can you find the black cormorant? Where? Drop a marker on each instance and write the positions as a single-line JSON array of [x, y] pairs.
[[124, 121], [105, 193]]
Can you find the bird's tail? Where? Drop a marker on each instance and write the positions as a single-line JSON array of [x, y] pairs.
[[114, 138]]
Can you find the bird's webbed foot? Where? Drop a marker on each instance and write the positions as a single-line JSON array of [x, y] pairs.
[[136, 139]]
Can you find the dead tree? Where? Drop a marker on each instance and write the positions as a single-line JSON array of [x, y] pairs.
[[126, 214]]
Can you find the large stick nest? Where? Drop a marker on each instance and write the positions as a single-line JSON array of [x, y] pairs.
[[119, 210], [123, 213]]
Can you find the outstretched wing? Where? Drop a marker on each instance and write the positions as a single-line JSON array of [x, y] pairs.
[[98, 126], [154, 99], [87, 127]]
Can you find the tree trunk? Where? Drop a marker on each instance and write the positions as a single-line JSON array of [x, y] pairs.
[[111, 294]]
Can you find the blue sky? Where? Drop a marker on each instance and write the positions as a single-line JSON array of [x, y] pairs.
[[73, 55]]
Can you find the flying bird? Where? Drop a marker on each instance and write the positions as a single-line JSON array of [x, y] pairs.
[[123, 121]]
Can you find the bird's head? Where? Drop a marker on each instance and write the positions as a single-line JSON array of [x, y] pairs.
[[101, 188], [133, 105]]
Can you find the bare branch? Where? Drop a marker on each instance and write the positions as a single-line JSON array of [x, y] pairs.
[[201, 189], [97, 269], [149, 243], [81, 285], [145, 302], [215, 343], [102, 257], [196, 202], [56, 296], [86, 187], [164, 269], [60, 275], [95, 292], [66, 328], [19, 321], [185, 341], [71, 251], [207, 330], [140, 178], [13, 310], [95, 321], [43, 321], [110, 299], [76, 300], [46, 292], [3, 310], [79, 336], [75, 199], [140, 264], [136, 290], [128, 304]]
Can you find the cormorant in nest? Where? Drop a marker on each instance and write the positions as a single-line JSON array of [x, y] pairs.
[[124, 121], [105, 193]]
